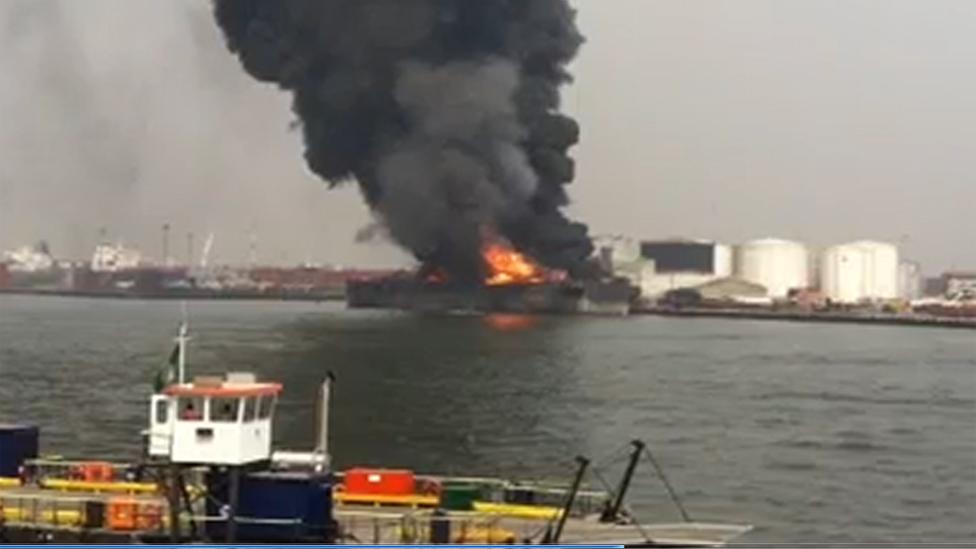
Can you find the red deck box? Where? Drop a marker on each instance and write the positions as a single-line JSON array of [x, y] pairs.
[[388, 482]]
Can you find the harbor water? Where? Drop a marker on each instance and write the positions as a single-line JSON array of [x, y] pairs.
[[813, 433]]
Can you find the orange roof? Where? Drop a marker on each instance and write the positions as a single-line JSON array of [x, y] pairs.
[[226, 390]]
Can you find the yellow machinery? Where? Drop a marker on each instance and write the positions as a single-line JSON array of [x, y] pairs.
[[377, 500], [100, 487], [539, 512]]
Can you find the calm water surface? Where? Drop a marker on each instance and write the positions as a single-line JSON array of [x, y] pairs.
[[811, 432]]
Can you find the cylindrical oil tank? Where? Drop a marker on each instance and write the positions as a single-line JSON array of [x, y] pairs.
[[860, 271], [778, 265], [724, 260]]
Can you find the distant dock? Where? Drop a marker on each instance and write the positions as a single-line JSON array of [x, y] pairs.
[[276, 294], [335, 295], [853, 317]]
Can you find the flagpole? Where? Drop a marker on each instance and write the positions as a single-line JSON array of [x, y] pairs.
[[184, 326], [182, 361]]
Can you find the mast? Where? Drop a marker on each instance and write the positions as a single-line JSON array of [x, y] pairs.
[[182, 340]]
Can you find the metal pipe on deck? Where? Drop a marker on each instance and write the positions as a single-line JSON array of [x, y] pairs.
[[322, 440]]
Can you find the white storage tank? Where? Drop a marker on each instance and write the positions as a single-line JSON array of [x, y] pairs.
[[779, 265], [860, 271], [724, 260]]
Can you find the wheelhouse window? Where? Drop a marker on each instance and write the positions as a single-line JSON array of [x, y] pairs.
[[250, 408], [224, 409], [190, 408], [266, 406], [162, 411]]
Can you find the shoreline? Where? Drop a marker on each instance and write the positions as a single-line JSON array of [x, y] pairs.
[[183, 295], [911, 319]]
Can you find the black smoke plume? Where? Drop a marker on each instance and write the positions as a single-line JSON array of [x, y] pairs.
[[444, 111]]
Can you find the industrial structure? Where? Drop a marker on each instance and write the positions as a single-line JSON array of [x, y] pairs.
[[909, 280], [860, 271], [781, 266], [29, 259], [111, 258]]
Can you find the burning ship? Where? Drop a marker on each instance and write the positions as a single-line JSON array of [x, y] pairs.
[[513, 283], [447, 115]]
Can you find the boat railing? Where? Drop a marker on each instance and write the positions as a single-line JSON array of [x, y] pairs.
[[34, 510], [370, 526], [551, 494], [496, 490], [425, 526], [35, 470], [54, 510]]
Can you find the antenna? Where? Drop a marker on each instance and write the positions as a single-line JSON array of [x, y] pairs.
[[253, 249], [205, 256], [165, 244]]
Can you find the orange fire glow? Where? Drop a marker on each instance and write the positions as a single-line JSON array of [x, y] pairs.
[[507, 267]]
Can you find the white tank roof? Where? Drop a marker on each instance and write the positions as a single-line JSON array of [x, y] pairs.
[[773, 242], [867, 244]]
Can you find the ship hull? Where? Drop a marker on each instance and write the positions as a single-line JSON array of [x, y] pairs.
[[408, 294]]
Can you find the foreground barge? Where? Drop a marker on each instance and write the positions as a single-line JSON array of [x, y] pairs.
[[209, 474]]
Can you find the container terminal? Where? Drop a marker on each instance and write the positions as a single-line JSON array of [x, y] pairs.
[[208, 473]]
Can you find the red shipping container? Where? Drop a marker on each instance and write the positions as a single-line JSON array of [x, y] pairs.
[[387, 482]]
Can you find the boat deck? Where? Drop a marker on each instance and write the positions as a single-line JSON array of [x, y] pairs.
[[371, 525], [78, 516]]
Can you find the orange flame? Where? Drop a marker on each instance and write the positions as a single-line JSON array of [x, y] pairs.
[[507, 266]]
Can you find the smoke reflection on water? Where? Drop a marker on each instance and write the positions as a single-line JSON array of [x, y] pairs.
[[813, 433]]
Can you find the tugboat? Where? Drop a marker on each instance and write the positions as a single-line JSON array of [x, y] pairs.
[[209, 474]]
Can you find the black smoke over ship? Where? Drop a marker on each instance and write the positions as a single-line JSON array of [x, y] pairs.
[[445, 112]]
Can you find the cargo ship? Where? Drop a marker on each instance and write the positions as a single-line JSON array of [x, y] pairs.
[[510, 282], [209, 473]]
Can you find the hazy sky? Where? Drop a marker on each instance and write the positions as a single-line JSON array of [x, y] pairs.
[[820, 120]]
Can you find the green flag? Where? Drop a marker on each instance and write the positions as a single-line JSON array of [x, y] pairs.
[[167, 373]]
